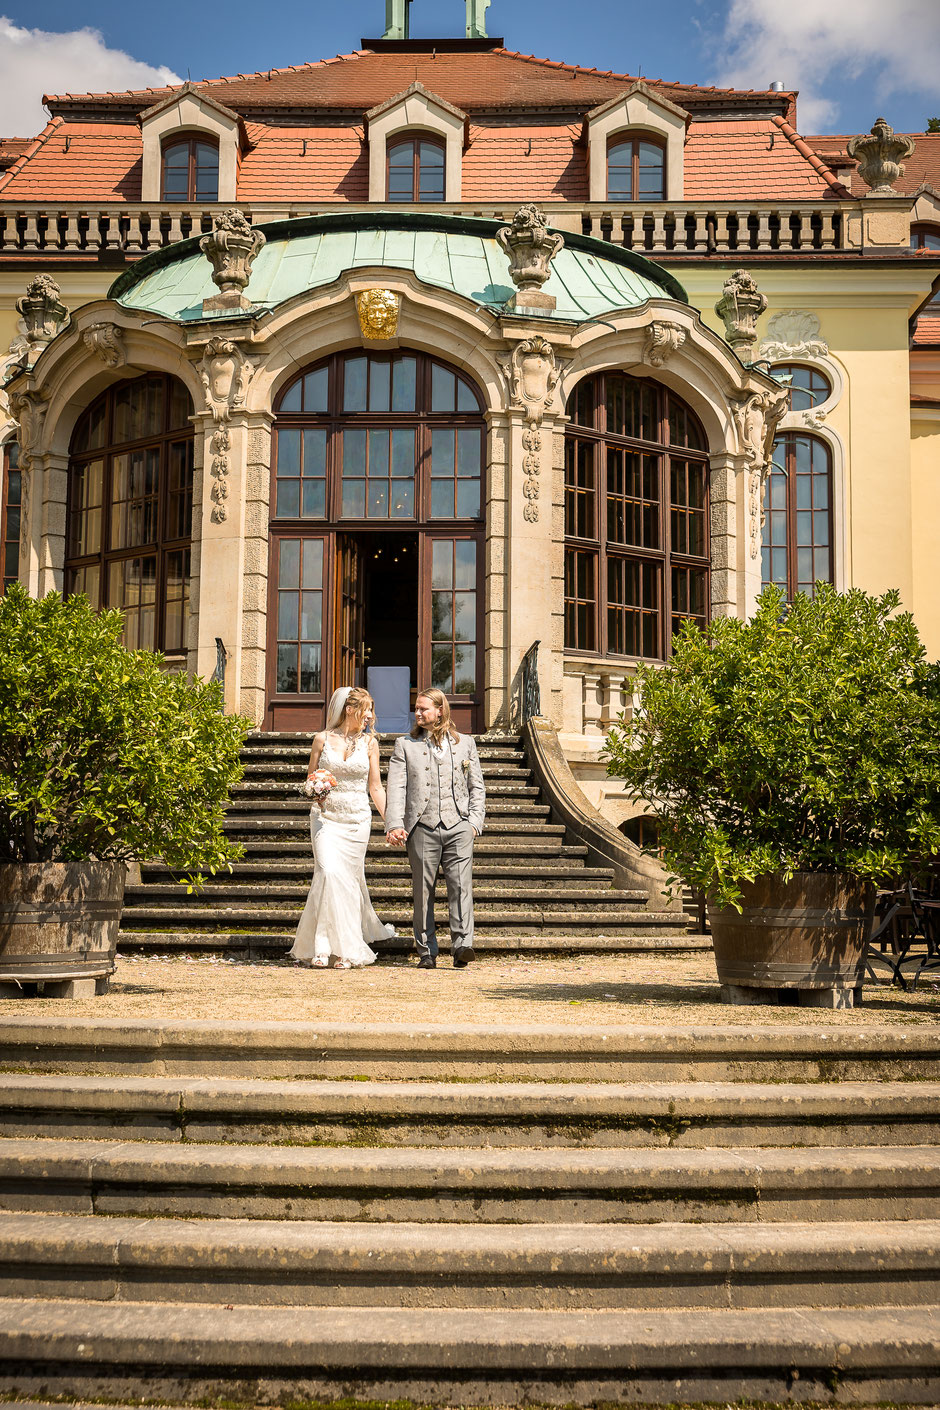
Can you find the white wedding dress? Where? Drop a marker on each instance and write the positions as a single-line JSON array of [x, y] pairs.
[[338, 920]]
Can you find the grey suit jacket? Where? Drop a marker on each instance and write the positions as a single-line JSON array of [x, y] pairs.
[[409, 782]]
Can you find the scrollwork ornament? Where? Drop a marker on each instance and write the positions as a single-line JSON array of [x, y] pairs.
[[225, 373], [793, 333], [662, 340], [532, 374], [105, 340], [531, 512]]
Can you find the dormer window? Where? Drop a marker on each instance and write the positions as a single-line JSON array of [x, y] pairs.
[[190, 170], [636, 168], [416, 170]]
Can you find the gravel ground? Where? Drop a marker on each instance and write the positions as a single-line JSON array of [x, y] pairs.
[[586, 990]]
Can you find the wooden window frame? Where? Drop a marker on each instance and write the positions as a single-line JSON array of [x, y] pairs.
[[633, 138], [400, 139], [597, 544], [161, 547], [788, 440], [191, 140], [919, 230], [790, 368], [6, 468]]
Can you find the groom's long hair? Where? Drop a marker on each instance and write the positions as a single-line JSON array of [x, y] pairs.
[[443, 726]]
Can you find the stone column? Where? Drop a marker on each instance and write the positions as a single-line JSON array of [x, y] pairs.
[[50, 566], [230, 541]]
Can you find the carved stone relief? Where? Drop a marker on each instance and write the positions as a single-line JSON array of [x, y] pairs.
[[29, 409], [662, 340], [225, 373], [532, 372], [756, 418], [106, 340], [219, 447], [41, 309], [793, 333]]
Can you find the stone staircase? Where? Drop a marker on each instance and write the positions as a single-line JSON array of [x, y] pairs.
[[533, 888], [271, 1213]]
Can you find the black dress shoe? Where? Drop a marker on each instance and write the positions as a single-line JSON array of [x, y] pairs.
[[426, 962], [463, 956]]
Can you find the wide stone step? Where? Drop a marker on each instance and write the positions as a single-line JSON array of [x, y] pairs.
[[79, 1349], [264, 795], [294, 771], [571, 1115], [534, 1266], [601, 916], [469, 1051], [528, 941], [507, 824], [563, 872], [468, 1185], [501, 844], [518, 804], [233, 892]]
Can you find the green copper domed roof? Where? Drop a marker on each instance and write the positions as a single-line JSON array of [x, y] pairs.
[[589, 277]]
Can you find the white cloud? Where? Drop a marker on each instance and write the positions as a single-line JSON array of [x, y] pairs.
[[812, 46], [37, 61]]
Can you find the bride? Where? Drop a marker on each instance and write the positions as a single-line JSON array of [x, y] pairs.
[[338, 920]]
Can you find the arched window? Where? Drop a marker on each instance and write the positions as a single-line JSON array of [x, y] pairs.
[[190, 170], [925, 237], [636, 168], [10, 501], [130, 508], [636, 518], [807, 386], [797, 533], [376, 532], [415, 169]]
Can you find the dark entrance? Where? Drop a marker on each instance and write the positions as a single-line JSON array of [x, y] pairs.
[[390, 601]]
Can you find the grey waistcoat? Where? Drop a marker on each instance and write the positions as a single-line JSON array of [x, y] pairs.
[[441, 808]]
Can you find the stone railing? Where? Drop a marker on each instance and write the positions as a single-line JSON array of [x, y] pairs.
[[121, 231]]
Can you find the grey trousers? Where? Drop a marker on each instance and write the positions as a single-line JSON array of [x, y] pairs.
[[429, 850]]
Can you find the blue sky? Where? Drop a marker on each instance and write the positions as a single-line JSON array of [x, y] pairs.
[[853, 60]]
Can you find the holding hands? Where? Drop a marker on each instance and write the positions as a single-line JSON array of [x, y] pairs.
[[397, 837]]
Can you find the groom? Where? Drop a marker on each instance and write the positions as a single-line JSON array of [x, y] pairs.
[[436, 804]]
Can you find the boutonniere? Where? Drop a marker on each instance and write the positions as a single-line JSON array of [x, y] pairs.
[[466, 766]]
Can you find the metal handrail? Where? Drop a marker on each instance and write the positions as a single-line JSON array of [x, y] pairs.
[[221, 656], [531, 697]]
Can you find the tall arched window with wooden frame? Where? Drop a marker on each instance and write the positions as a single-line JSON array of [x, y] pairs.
[[636, 167], [10, 510], [798, 548], [130, 509], [415, 168], [189, 169], [636, 518]]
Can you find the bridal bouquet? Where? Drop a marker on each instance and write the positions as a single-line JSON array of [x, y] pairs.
[[318, 786]]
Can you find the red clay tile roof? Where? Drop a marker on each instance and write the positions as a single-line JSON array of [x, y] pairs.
[[11, 149], [922, 168], [496, 78], [758, 158], [502, 162], [927, 331], [103, 162]]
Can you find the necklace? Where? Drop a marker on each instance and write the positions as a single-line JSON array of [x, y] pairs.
[[350, 742]]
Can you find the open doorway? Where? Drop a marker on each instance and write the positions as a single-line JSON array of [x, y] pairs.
[[390, 600]]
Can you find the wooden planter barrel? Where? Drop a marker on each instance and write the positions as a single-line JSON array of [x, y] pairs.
[[798, 941], [59, 920]]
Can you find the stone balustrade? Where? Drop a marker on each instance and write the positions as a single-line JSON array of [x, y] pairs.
[[662, 229], [595, 694]]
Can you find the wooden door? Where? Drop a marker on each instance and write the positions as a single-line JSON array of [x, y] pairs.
[[349, 613]]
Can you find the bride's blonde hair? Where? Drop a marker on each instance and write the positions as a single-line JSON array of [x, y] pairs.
[[348, 698]]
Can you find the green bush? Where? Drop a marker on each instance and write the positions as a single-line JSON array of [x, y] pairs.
[[102, 753], [803, 740]]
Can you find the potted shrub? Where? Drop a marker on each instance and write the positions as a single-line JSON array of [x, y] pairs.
[[792, 762], [104, 758]]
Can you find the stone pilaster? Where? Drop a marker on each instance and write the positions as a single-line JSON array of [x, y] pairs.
[[498, 668], [50, 559], [735, 535], [230, 526]]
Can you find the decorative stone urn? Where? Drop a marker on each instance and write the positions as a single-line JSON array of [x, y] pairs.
[[880, 157], [59, 925], [740, 306], [531, 247], [41, 309], [231, 249]]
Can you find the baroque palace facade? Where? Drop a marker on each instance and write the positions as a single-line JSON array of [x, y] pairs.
[[425, 353]]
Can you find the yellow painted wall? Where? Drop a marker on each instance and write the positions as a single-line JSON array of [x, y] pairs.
[[925, 481], [889, 514]]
